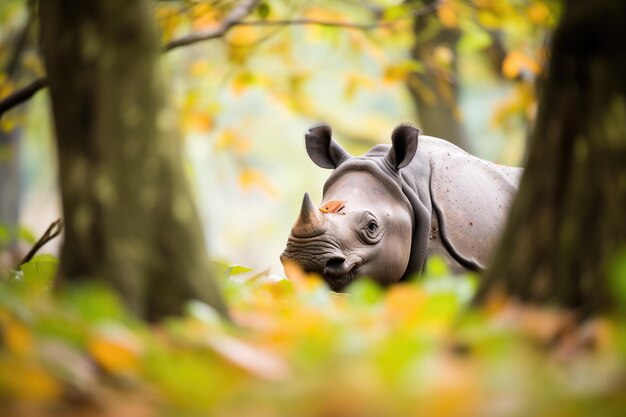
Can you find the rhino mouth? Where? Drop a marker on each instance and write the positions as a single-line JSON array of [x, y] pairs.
[[338, 283]]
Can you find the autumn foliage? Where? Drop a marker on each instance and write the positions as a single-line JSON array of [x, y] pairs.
[[295, 348]]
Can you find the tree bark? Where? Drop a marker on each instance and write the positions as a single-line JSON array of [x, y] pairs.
[[568, 221], [129, 215]]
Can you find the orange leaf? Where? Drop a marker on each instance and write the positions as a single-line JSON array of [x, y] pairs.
[[516, 62], [448, 15], [17, 337], [334, 206], [115, 348]]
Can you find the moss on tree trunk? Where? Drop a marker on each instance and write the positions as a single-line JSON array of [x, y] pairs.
[[130, 218], [568, 221]]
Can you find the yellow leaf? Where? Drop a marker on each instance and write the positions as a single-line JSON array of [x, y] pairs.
[[199, 121], [519, 103], [28, 381], [394, 73], [250, 178], [6, 88], [447, 14], [489, 19], [516, 62], [199, 68], [403, 303], [242, 81], [17, 337], [244, 35], [204, 17], [115, 348], [324, 14], [539, 13], [230, 140]]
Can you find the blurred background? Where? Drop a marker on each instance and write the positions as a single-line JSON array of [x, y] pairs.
[[465, 71]]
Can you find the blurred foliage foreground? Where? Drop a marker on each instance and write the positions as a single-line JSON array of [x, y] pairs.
[[294, 348]]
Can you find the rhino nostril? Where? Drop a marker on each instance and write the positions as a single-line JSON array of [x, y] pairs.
[[335, 262], [336, 267]]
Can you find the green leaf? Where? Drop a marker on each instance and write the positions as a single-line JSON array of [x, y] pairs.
[[474, 38], [227, 270], [364, 291], [395, 12], [39, 272], [237, 269], [93, 302], [436, 267], [263, 10]]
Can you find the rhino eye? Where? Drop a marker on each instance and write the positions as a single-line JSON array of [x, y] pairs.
[[369, 230]]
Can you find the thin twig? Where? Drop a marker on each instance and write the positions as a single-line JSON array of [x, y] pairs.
[[53, 231], [23, 94]]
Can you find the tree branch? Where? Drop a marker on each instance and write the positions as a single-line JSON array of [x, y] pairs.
[[234, 18], [22, 94], [230, 23], [242, 10]]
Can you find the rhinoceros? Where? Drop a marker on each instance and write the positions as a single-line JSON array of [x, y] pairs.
[[384, 213]]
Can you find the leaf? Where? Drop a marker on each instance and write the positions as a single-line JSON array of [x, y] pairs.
[[448, 14], [365, 292], [489, 19], [93, 302], [27, 381], [250, 178], [39, 272], [473, 38], [436, 267], [539, 14], [115, 348], [237, 270], [399, 72], [334, 206], [17, 337], [395, 12], [263, 10], [229, 140], [517, 62]]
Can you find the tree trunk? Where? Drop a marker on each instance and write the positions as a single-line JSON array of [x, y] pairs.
[[568, 221], [10, 186], [130, 219], [436, 91]]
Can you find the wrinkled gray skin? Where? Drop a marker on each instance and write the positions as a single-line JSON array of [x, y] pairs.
[[403, 203]]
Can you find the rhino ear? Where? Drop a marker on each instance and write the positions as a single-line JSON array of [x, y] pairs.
[[404, 145], [322, 149]]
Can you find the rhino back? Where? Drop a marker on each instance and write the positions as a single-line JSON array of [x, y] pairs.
[[471, 197]]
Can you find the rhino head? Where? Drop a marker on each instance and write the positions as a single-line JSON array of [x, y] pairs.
[[364, 225]]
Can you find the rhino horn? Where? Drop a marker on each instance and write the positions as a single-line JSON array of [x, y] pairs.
[[311, 220]]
